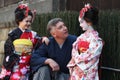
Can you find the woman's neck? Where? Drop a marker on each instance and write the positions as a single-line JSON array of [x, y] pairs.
[[90, 29], [21, 29]]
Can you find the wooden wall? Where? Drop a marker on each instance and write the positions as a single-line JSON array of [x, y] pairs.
[[76, 5]]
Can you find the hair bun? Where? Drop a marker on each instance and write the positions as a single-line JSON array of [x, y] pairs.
[[21, 12]]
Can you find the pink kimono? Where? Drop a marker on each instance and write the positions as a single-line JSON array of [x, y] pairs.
[[84, 63]]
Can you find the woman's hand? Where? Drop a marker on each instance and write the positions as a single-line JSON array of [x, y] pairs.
[[46, 40]]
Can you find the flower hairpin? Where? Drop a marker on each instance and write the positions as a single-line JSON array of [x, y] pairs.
[[83, 10], [23, 5], [34, 13]]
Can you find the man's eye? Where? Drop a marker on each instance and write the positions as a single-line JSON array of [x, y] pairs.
[[64, 25], [59, 27]]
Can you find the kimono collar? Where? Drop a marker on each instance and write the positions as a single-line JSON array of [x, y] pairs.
[[21, 29], [27, 30]]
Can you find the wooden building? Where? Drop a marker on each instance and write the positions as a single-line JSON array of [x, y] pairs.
[[75, 5]]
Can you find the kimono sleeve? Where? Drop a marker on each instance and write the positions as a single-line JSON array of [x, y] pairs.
[[91, 56]]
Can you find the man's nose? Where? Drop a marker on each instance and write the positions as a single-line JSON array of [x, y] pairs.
[[65, 27]]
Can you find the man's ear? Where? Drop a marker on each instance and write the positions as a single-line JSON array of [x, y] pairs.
[[53, 33]]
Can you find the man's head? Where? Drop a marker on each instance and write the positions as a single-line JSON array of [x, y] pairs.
[[57, 28]]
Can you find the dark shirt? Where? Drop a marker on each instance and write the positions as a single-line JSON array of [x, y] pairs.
[[61, 55]]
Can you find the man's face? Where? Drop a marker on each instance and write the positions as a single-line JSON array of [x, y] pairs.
[[60, 31]]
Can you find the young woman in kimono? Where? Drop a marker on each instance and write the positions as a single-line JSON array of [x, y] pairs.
[[23, 17], [87, 48]]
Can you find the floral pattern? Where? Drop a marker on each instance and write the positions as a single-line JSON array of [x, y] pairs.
[[84, 66], [21, 70], [83, 46]]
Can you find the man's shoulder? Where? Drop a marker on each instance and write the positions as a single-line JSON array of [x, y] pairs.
[[51, 38], [72, 37]]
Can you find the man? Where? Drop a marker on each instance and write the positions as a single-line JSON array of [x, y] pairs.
[[49, 61]]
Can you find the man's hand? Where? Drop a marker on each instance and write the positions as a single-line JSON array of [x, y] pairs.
[[52, 64]]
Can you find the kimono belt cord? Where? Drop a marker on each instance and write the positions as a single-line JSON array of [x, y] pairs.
[[111, 69]]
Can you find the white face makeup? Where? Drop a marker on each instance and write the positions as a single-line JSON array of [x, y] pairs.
[[83, 24]]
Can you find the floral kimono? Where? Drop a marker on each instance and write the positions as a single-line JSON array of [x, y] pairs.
[[85, 57], [17, 67]]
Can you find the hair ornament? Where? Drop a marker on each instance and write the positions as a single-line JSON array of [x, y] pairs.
[[83, 10], [34, 13], [23, 5]]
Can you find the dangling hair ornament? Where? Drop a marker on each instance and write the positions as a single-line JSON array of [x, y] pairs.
[[34, 13], [83, 10], [23, 5]]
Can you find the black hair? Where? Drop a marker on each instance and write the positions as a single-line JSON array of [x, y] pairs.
[[92, 15], [20, 14]]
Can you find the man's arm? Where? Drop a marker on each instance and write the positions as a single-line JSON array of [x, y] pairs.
[[38, 57]]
